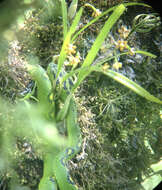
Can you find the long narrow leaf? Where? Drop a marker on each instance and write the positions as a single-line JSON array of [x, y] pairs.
[[98, 42], [102, 35], [146, 53], [105, 13], [72, 9], [67, 40], [106, 59], [152, 181], [136, 3], [62, 58], [93, 21], [64, 17], [129, 83]]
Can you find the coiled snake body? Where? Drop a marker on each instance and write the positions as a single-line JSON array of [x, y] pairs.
[[55, 172]]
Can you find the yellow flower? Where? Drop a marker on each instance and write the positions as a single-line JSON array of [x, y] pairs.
[[117, 65], [105, 67], [74, 60], [131, 51], [124, 32], [70, 49], [121, 44], [96, 13]]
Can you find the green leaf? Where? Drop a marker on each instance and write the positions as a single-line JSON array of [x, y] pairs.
[[146, 53], [97, 44], [102, 35], [67, 40], [62, 113], [72, 9], [150, 183], [130, 84], [108, 58], [135, 3], [64, 17], [157, 167], [93, 21], [105, 13]]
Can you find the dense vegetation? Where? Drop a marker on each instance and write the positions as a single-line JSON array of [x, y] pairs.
[[121, 131]]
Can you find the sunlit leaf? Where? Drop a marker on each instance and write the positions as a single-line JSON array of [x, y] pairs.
[[98, 42]]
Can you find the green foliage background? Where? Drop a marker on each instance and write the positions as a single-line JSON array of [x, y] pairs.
[[118, 126]]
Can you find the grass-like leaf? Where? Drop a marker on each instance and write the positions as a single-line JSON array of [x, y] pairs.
[[92, 21], [129, 83], [102, 35], [146, 53], [72, 9], [152, 181], [105, 13], [107, 59], [67, 40], [98, 42], [64, 17]]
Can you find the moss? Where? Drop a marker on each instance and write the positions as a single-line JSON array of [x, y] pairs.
[[13, 76], [24, 160], [43, 39], [115, 154]]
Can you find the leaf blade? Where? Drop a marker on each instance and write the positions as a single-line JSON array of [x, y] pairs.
[[129, 84]]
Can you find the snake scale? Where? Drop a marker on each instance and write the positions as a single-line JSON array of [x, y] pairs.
[[49, 92]]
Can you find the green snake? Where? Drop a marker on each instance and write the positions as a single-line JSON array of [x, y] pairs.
[[49, 94]]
